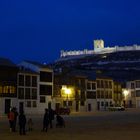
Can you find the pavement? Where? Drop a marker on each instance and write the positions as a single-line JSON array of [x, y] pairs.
[[99, 125]]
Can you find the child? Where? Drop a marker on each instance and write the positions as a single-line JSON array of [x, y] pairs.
[[30, 124]]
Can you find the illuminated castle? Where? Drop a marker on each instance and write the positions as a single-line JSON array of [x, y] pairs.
[[99, 49]]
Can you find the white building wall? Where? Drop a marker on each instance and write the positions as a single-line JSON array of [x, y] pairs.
[[93, 104]]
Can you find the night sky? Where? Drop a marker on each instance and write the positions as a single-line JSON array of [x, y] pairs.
[[38, 29]]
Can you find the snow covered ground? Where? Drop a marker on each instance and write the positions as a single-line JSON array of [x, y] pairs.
[[117, 125]]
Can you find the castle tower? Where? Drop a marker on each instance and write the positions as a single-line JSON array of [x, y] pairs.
[[98, 45]]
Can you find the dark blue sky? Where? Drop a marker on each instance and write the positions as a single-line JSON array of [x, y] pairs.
[[39, 29]]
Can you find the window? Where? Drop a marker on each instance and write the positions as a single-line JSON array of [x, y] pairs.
[[110, 84], [9, 89], [42, 99], [21, 80], [28, 103], [98, 84], [21, 93], [132, 86], [93, 86], [137, 93], [34, 104], [106, 94], [88, 85], [45, 76], [45, 89], [82, 94], [132, 94], [27, 93], [110, 94], [102, 103], [102, 94], [69, 103], [137, 84], [64, 103], [91, 94], [98, 94], [106, 104], [34, 93], [82, 103], [34, 81], [102, 84], [27, 81]]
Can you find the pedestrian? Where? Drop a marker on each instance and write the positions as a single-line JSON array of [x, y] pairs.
[[11, 118], [15, 118], [22, 123], [46, 121], [51, 117], [30, 124]]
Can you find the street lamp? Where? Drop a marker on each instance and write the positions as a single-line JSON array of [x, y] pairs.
[[125, 94], [67, 92]]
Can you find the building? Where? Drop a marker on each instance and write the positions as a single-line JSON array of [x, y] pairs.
[[35, 87], [77, 86], [132, 94], [8, 85], [104, 93], [27, 90], [118, 94], [90, 92]]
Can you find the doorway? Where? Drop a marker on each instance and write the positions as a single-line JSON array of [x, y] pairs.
[[77, 106], [89, 107], [7, 106]]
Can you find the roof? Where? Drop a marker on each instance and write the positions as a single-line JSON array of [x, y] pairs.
[[27, 71], [37, 64], [6, 62]]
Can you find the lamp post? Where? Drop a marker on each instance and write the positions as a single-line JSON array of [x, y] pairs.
[[67, 92], [125, 93]]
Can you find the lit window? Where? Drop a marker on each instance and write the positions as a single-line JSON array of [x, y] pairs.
[[1, 89]]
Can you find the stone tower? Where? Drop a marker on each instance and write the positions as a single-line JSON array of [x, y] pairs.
[[98, 45]]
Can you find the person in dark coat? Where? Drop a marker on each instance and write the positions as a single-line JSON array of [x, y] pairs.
[[46, 120], [15, 118], [22, 123], [51, 117]]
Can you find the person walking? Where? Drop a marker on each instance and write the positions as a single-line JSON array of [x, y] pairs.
[[46, 121], [11, 118], [22, 123], [51, 117]]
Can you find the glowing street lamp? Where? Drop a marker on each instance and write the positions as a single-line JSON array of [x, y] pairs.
[[125, 94], [67, 92]]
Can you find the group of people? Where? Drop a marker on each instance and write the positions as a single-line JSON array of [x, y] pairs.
[[12, 117], [48, 118]]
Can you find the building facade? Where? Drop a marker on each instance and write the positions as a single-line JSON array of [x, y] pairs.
[[35, 83], [8, 85], [132, 96]]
